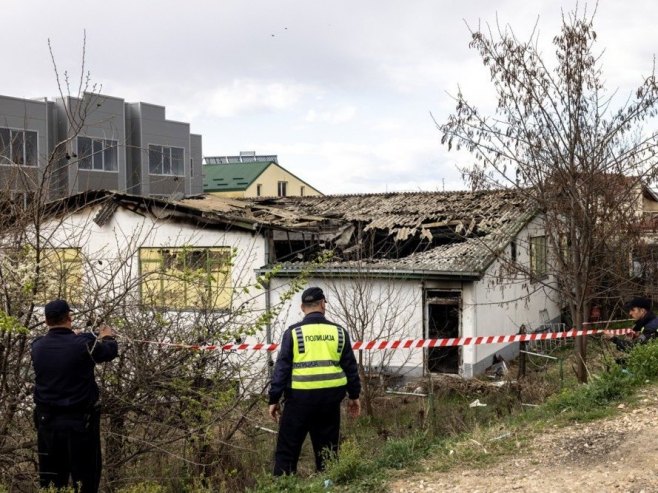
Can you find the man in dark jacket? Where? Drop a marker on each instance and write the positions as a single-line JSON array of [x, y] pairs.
[[314, 371], [645, 327], [67, 412]]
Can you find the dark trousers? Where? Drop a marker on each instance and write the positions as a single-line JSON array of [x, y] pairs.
[[69, 449], [622, 344], [298, 420]]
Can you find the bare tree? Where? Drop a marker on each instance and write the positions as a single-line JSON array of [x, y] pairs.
[[167, 410], [372, 309], [556, 135]]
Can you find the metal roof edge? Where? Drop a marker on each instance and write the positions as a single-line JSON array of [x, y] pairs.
[[407, 274]]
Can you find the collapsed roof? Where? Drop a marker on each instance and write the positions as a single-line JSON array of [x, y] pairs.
[[442, 233], [445, 234]]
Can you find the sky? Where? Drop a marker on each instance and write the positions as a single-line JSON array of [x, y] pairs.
[[346, 93]]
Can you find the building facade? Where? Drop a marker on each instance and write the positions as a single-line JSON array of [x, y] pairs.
[[70, 145], [250, 175]]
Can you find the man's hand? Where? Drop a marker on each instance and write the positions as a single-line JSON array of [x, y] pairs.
[[106, 331], [354, 407], [275, 411]]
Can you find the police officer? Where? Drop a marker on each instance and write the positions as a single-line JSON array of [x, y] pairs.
[[315, 368], [67, 413], [645, 327]]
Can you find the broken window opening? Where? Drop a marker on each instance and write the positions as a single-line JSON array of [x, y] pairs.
[[443, 321]]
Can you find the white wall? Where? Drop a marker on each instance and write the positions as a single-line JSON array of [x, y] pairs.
[[382, 310], [111, 251], [500, 303]]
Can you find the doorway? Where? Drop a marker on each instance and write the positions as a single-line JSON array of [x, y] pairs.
[[443, 309]]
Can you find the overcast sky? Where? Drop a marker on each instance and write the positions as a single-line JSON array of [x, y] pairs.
[[340, 90]]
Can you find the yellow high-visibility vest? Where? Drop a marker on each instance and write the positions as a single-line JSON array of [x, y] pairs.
[[316, 350]]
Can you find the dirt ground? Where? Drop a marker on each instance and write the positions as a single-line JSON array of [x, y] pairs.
[[612, 455]]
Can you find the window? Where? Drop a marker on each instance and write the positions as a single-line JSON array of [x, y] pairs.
[[18, 147], [165, 160], [259, 190], [282, 188], [302, 189], [97, 154], [538, 260], [61, 275], [512, 250], [186, 277]]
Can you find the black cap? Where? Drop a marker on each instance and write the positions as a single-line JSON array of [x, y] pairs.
[[56, 309], [311, 295], [638, 302]]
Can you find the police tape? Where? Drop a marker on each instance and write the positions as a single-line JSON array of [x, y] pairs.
[[407, 343]]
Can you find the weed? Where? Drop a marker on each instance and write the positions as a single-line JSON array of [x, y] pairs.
[[353, 463], [642, 362], [399, 454]]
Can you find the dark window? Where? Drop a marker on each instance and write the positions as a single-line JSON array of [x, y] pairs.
[[283, 189], [165, 160], [97, 154], [18, 147], [177, 163], [259, 190], [31, 148], [110, 156], [155, 160]]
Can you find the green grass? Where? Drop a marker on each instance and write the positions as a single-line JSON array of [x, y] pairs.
[[476, 437], [410, 434]]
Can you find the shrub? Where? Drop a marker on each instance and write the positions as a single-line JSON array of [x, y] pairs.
[[642, 362], [352, 463]]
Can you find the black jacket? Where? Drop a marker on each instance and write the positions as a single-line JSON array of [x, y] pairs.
[[647, 327], [64, 367], [281, 379]]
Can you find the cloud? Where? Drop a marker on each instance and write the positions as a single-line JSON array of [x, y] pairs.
[[249, 96], [342, 114], [399, 164]]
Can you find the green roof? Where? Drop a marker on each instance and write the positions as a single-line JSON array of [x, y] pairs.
[[231, 177]]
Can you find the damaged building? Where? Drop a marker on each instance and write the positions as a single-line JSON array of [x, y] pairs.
[[414, 265], [400, 265]]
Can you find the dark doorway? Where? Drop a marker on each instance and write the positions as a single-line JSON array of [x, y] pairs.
[[443, 317]]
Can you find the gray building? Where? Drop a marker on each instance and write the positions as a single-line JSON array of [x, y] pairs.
[[70, 145]]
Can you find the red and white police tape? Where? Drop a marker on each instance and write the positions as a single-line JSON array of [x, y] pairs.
[[407, 343]]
